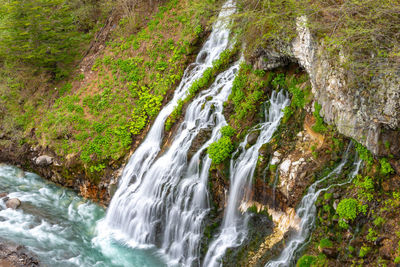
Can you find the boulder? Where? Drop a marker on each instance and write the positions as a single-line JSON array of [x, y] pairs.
[[44, 160], [252, 138], [13, 203]]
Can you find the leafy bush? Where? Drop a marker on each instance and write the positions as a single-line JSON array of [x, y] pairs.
[[220, 150], [325, 243], [379, 221], [348, 209], [364, 153], [306, 261], [386, 168], [372, 235], [228, 131], [364, 251], [365, 187]]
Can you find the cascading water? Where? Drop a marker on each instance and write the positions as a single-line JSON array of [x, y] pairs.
[[307, 211], [58, 226], [163, 201], [234, 225]]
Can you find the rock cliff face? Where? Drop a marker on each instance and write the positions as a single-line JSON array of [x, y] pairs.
[[369, 114]]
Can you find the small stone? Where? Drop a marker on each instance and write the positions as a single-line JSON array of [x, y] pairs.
[[2, 195], [13, 203], [44, 160]]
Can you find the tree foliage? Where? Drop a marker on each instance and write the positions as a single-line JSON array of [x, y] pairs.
[[44, 34]]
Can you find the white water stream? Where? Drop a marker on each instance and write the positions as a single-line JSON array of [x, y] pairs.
[[162, 199], [59, 227], [234, 225], [306, 211]]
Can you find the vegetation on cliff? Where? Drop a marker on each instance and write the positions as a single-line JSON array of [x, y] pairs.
[[93, 115], [365, 32]]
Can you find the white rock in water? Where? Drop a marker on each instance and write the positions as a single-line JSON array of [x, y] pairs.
[[44, 160], [13, 203]]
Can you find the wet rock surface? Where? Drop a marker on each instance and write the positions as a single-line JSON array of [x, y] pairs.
[[12, 255], [13, 203]]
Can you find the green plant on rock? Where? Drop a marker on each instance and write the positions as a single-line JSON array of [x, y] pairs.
[[364, 250], [347, 209], [379, 221], [364, 153], [325, 243], [306, 261], [220, 150], [365, 187], [228, 131], [386, 168], [319, 125], [372, 235]]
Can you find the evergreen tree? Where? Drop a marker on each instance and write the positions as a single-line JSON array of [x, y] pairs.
[[41, 33]]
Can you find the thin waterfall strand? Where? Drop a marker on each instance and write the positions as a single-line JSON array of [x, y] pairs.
[[234, 225], [307, 211]]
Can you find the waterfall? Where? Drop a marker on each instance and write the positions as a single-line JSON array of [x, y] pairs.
[[307, 213], [234, 225], [162, 199]]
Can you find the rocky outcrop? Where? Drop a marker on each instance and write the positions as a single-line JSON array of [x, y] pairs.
[[370, 114]]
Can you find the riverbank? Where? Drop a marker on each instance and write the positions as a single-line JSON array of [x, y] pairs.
[[12, 255]]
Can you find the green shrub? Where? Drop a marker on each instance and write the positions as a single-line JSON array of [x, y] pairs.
[[372, 235], [325, 243], [306, 261], [220, 150], [252, 209], [386, 168], [347, 209], [364, 153], [379, 221], [228, 131], [364, 251], [365, 186]]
